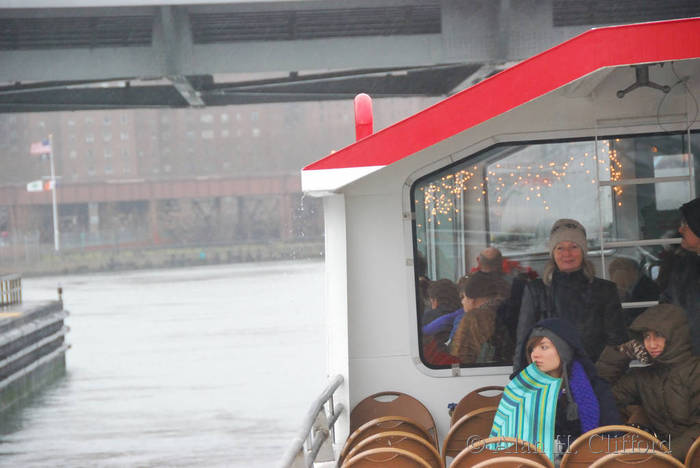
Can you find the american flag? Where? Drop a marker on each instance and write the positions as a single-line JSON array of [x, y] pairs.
[[40, 147]]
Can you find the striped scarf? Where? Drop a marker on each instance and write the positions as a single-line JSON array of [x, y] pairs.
[[528, 409]]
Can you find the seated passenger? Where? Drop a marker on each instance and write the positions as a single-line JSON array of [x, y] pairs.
[[481, 295], [682, 282], [632, 286], [444, 299], [447, 322], [569, 289], [556, 388], [490, 260], [669, 388]]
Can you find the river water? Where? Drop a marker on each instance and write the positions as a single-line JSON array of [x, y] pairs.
[[208, 366]]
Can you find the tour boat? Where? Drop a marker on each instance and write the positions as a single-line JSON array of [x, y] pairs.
[[602, 128]]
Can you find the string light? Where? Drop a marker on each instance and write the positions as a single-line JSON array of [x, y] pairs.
[[444, 196]]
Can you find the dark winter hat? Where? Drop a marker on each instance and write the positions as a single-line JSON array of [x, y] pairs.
[[568, 230], [566, 354], [691, 214], [482, 284]]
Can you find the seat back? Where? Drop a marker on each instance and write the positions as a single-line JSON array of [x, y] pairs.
[[596, 444], [384, 424], [404, 440], [477, 399], [385, 457], [392, 404], [692, 459], [505, 461], [499, 447], [637, 459], [470, 428]]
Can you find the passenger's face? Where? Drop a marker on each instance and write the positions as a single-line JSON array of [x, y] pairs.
[[654, 343], [568, 256], [546, 357], [690, 241], [467, 302]]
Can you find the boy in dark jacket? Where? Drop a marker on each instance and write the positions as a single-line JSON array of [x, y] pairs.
[[669, 388]]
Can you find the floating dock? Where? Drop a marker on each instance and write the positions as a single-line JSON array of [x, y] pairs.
[[32, 342]]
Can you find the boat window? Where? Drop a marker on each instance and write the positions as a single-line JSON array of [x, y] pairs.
[[625, 190]]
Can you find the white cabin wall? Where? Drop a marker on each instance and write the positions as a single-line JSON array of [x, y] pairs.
[[381, 312], [336, 309]]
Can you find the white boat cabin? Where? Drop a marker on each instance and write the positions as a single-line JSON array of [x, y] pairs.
[[603, 128]]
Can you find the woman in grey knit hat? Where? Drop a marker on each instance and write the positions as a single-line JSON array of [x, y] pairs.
[[569, 289]]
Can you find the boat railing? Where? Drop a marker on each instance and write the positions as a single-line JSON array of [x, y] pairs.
[[10, 289], [314, 441]]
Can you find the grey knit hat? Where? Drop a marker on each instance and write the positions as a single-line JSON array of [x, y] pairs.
[[568, 230]]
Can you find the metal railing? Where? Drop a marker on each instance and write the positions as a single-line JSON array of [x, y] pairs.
[[312, 443], [10, 289]]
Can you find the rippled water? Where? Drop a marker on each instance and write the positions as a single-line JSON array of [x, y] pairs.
[[208, 366]]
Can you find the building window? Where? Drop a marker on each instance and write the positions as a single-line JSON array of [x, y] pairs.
[[89, 138], [107, 120], [256, 132], [124, 136], [107, 137], [206, 118], [224, 133], [224, 117], [108, 153], [73, 154], [207, 134]]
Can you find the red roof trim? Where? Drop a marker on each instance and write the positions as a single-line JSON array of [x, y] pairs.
[[553, 68]]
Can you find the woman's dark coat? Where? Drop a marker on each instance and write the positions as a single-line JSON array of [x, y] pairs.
[[592, 306], [683, 290]]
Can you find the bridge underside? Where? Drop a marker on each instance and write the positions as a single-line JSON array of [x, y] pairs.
[[257, 52]]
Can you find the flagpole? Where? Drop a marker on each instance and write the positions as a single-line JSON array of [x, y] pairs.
[[56, 234]]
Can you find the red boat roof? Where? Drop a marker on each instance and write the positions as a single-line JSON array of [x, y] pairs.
[[584, 54]]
